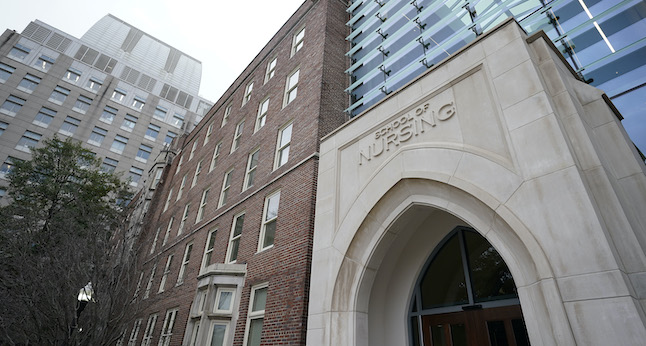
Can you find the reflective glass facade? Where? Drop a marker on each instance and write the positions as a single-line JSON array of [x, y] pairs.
[[394, 41]]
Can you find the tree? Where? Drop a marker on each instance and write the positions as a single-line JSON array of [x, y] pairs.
[[60, 231]]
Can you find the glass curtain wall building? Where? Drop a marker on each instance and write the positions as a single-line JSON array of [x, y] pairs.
[[393, 41]]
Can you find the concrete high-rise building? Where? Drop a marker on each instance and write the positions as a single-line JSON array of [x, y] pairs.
[[121, 92], [409, 173]]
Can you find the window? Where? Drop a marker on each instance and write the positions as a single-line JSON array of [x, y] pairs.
[[270, 215], [170, 226], [5, 72], [226, 184], [209, 131], [252, 163], [158, 174], [234, 241], [150, 328], [167, 328], [19, 51], [262, 114], [144, 153], [138, 103], [227, 112], [3, 192], [291, 89], [44, 117], [97, 136], [69, 126], [184, 218], [198, 170], [224, 300], [152, 132], [236, 137], [181, 188], [160, 113], [271, 69], [3, 127], [109, 165], [196, 329], [154, 244], [135, 175], [297, 42], [247, 93], [72, 75], [12, 105], [187, 258], [256, 315], [94, 84], [170, 195], [169, 137], [208, 250], [29, 83], [200, 211], [282, 148], [179, 164], [59, 95], [119, 144], [44, 62], [118, 95], [162, 284], [218, 334], [28, 141], [7, 166], [214, 159], [108, 114], [150, 281], [178, 120], [190, 157], [133, 334], [129, 123], [82, 104]]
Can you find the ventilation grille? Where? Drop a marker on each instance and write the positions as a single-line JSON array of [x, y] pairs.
[[130, 75], [147, 83], [59, 42]]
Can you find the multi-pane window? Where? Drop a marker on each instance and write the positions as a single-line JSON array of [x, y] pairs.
[[144, 153], [19, 51], [224, 300], [237, 135], [216, 154], [271, 69], [252, 164], [3, 127], [179, 164], [132, 341], [108, 114], [129, 123], [184, 218], [12, 105], [28, 141], [138, 103], [157, 178], [170, 195], [109, 165], [192, 154], [59, 94], [227, 112], [154, 244], [97, 136], [194, 332], [94, 84], [209, 131], [7, 166], [69, 126], [198, 170], [44, 117], [162, 283], [282, 148], [119, 144], [152, 132], [168, 229], [234, 239], [262, 114], [150, 327], [218, 333], [29, 83], [185, 260], [270, 215], [118, 95], [291, 89], [135, 175], [247, 93], [226, 184], [167, 328], [169, 137], [208, 250], [82, 104], [256, 315], [72, 75], [160, 113], [297, 42], [181, 187], [149, 286], [44, 62], [5, 72], [203, 201], [178, 120]]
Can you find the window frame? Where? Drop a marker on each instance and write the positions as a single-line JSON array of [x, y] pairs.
[[162, 282], [209, 132], [227, 113], [150, 329], [203, 202], [271, 69], [265, 222], [289, 89], [168, 230], [192, 154], [218, 295], [250, 171], [247, 93], [257, 314], [298, 43], [235, 238], [281, 148], [236, 136], [132, 341], [216, 154], [182, 223], [185, 261], [226, 185], [167, 327], [14, 105], [209, 248], [261, 118], [180, 191], [198, 170], [226, 332]]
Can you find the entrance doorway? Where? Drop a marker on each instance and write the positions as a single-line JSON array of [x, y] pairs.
[[466, 296]]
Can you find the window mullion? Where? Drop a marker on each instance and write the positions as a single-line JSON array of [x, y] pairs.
[[465, 267]]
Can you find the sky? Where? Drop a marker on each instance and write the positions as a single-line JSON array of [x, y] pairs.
[[224, 35]]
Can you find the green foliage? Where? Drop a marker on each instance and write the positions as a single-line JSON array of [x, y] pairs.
[[58, 233]]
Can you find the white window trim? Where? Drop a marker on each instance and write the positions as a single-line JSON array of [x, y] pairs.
[[150, 328], [162, 283], [217, 300], [209, 252], [182, 270], [296, 42], [179, 164], [232, 238], [289, 89], [184, 218], [168, 229], [249, 169], [216, 155], [192, 154], [209, 132], [198, 170], [252, 315], [167, 327], [203, 201], [135, 331], [260, 115], [149, 286], [154, 244], [225, 188], [181, 188], [247, 93], [226, 332], [263, 227], [279, 148], [236, 136], [170, 195], [269, 72]]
